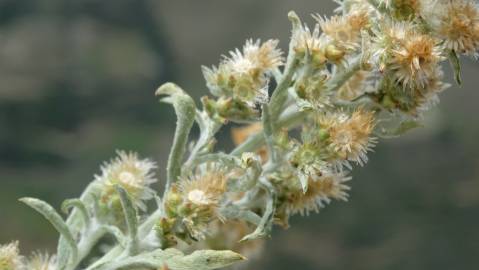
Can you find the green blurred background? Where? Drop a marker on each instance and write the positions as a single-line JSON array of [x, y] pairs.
[[76, 82]]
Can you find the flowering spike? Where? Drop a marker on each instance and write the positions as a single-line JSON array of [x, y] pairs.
[[369, 71]]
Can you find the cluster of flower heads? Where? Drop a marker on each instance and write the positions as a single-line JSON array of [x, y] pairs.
[[393, 50], [241, 79], [10, 259], [369, 71]]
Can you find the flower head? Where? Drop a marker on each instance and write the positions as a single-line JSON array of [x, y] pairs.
[[417, 99], [342, 34], [457, 23], [265, 57], [40, 261], [416, 59], [405, 9], [204, 189], [244, 74], [349, 136], [345, 30], [311, 43], [10, 258], [320, 192], [410, 55], [195, 200], [132, 174]]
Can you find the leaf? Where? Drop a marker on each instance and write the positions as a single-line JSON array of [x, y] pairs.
[[89, 197], [78, 204], [210, 259], [234, 212], [185, 109], [456, 66], [131, 219], [175, 260], [402, 128], [56, 220]]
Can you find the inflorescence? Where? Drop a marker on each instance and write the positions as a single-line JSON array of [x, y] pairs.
[[371, 71]]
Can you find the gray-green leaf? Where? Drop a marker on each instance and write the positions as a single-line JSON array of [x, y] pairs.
[[56, 220], [175, 260], [456, 66], [185, 109], [131, 219]]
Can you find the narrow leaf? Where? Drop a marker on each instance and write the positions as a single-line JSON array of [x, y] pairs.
[[78, 204], [176, 260], [74, 222], [403, 127], [234, 212], [185, 109], [210, 259], [131, 220], [456, 66], [56, 220]]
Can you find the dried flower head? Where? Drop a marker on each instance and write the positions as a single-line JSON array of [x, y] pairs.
[[387, 34], [244, 75], [342, 34], [410, 56], [307, 43], [458, 25], [131, 173], [311, 89], [415, 59], [265, 57], [205, 188], [417, 99], [405, 9], [345, 30], [320, 192], [42, 261], [195, 200], [10, 258], [349, 136]]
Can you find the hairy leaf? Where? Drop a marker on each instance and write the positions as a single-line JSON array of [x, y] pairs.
[[56, 220]]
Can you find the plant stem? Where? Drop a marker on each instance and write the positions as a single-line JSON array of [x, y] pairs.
[[288, 119]]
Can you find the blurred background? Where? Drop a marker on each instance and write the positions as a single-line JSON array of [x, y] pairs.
[[77, 79]]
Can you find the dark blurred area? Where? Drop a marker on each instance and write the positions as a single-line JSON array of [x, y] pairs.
[[77, 79]]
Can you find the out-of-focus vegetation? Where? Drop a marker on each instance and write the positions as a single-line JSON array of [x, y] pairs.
[[77, 81]]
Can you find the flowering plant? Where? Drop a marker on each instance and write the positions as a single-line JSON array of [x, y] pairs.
[[368, 72]]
